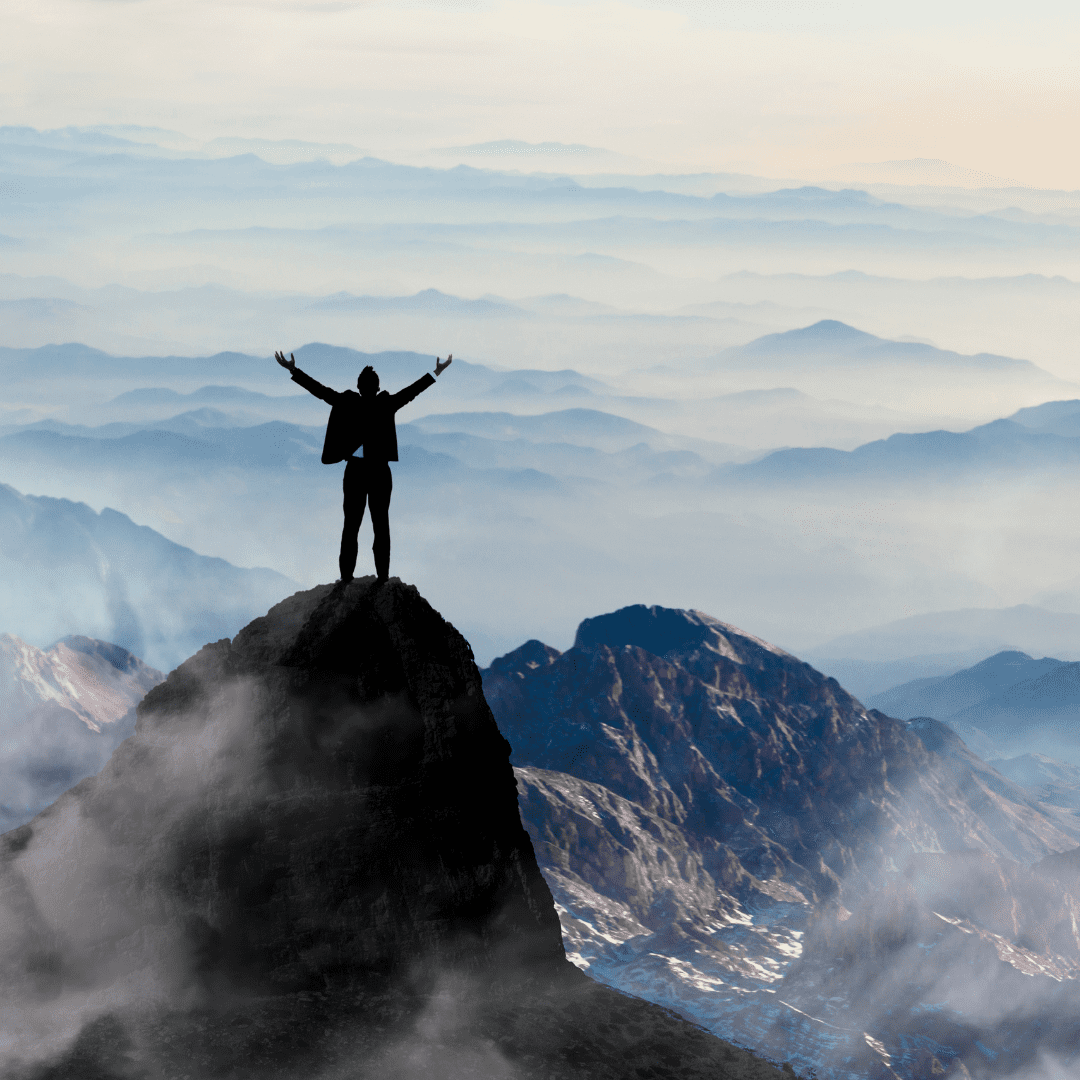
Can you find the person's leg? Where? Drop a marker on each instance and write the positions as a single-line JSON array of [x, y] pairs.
[[355, 490], [380, 487]]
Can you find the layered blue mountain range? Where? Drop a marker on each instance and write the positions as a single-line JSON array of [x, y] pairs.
[[1006, 706], [947, 695], [831, 342], [68, 569], [1004, 447]]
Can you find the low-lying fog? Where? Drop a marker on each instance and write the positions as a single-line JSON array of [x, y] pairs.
[[638, 300]]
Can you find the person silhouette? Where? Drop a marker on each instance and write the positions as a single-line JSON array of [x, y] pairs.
[[363, 420]]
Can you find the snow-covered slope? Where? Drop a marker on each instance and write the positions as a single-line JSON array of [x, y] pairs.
[[62, 713]]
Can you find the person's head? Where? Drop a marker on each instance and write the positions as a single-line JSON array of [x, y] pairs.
[[367, 382]]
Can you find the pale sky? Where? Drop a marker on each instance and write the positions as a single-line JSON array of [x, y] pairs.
[[775, 87]]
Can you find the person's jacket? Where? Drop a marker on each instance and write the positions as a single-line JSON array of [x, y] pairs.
[[357, 421]]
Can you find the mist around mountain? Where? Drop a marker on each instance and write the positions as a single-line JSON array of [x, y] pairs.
[[257, 246], [564, 471], [63, 711], [730, 407], [945, 696], [940, 645], [729, 833], [308, 861], [1051, 781], [66, 569], [879, 340]]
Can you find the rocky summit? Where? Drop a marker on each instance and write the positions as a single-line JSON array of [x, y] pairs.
[[308, 861], [728, 832]]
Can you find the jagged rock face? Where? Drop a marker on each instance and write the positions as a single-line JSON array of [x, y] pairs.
[[736, 741], [710, 812], [309, 861], [62, 713], [326, 795]]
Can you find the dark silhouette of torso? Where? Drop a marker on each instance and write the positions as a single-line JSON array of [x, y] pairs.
[[357, 420]]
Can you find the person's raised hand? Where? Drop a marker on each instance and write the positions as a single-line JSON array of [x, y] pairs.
[[291, 362], [440, 367]]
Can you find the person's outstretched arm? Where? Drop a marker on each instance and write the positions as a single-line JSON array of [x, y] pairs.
[[305, 380], [403, 397]]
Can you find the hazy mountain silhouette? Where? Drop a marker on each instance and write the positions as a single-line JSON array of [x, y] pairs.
[[1051, 781], [945, 696], [880, 658], [1037, 714], [1001, 449], [71, 570], [333, 363], [428, 300], [830, 358], [830, 341], [579, 427], [217, 395]]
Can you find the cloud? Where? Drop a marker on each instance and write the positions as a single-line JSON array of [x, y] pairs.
[[776, 88], [442, 1039]]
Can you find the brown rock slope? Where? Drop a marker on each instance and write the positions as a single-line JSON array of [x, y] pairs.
[[308, 862]]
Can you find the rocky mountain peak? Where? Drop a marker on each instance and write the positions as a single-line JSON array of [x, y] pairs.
[[730, 833], [308, 860], [672, 632], [714, 651], [344, 741], [936, 736], [115, 656], [94, 680], [528, 657]]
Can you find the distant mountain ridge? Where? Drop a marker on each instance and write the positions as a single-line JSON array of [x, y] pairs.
[[830, 358], [1034, 715], [831, 340], [425, 300], [1001, 447], [1054, 782], [46, 372], [63, 711], [1023, 627], [1008, 705], [70, 570], [231, 395], [939, 644], [945, 696]]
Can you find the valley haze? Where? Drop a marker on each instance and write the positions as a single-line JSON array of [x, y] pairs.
[[832, 401]]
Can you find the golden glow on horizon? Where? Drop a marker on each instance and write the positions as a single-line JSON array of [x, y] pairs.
[[780, 89]]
